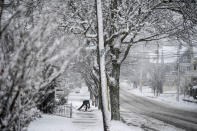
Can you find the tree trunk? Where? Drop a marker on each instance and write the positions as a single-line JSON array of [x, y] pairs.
[[103, 79], [114, 93], [96, 101], [100, 101]]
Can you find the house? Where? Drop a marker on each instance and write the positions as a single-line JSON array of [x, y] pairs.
[[188, 71]]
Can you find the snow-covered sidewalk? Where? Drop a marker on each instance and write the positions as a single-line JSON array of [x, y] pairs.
[[88, 121], [81, 120], [52, 123]]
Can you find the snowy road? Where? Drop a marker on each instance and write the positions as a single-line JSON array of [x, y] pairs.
[[145, 113]]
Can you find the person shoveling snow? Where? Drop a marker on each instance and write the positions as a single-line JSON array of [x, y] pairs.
[[86, 103]]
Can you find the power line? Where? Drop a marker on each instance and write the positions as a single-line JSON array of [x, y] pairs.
[[166, 55]]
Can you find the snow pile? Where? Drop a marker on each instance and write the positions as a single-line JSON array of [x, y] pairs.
[[81, 121], [168, 97], [58, 123], [191, 98], [125, 85], [52, 123], [119, 126]]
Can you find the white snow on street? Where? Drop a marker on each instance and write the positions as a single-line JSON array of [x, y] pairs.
[[133, 116], [92, 120], [168, 97]]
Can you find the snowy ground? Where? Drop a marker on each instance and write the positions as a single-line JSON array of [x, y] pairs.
[[146, 123], [168, 97], [52, 123], [92, 120], [143, 109], [81, 121]]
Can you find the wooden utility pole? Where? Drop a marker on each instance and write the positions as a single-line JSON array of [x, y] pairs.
[[178, 71], [157, 70], [105, 111], [191, 53], [19, 108], [142, 67]]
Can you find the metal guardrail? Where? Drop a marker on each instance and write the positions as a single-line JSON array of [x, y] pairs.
[[64, 110]]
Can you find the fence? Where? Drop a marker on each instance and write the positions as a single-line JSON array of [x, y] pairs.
[[64, 110]]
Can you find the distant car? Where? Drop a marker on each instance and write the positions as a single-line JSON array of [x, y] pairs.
[[77, 91], [146, 84], [193, 91], [59, 90]]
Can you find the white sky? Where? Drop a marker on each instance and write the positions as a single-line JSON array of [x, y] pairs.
[[169, 49]]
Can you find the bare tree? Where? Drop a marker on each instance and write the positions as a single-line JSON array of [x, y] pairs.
[[26, 47], [126, 24]]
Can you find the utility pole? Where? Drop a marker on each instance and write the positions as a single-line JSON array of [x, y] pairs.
[[141, 71], [178, 71], [157, 53], [191, 53], [19, 108], [162, 70], [157, 70], [141, 79], [105, 111], [162, 58]]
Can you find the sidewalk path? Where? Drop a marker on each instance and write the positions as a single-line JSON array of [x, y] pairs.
[[88, 121], [80, 121]]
